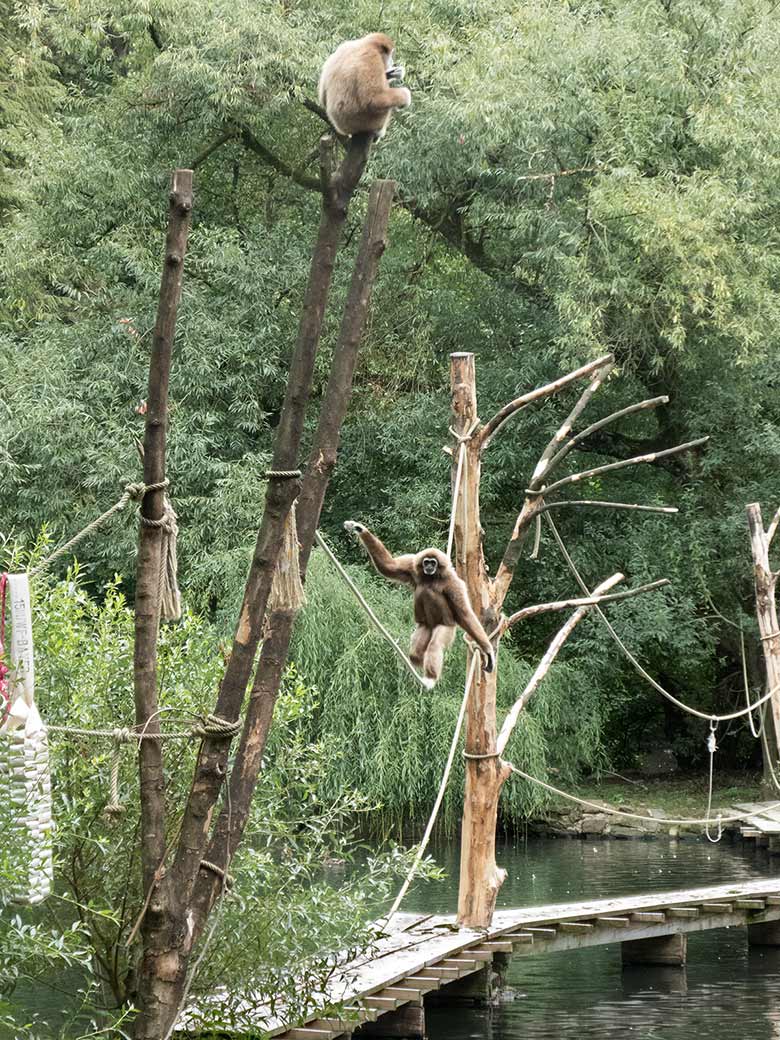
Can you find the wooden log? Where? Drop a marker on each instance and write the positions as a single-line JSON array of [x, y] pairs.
[[496, 946], [575, 926], [717, 908], [403, 993], [542, 933], [381, 1003], [648, 917], [682, 911], [614, 922], [750, 904], [480, 876]]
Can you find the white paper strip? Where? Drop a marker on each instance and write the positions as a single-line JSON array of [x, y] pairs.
[[25, 781]]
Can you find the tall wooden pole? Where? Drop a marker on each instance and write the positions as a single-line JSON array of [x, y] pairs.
[[766, 608], [480, 877], [151, 547]]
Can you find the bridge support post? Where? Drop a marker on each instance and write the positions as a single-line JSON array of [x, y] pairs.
[[764, 933], [669, 950], [407, 1021]]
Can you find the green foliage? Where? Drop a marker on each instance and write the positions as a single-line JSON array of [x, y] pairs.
[[573, 178], [294, 867]]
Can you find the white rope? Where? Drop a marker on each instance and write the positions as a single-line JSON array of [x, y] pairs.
[[667, 820], [712, 747], [455, 493], [442, 788], [637, 666], [421, 679], [756, 732]]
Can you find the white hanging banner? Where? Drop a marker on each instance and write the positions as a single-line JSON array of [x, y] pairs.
[[25, 780]]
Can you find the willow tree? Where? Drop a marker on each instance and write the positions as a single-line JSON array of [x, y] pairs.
[[486, 768]]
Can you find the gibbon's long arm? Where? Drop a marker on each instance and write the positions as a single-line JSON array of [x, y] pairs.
[[469, 622], [396, 568]]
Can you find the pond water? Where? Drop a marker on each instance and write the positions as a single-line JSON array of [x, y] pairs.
[[726, 991]]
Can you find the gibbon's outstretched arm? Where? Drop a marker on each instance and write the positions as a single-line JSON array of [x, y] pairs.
[[470, 623], [396, 568]]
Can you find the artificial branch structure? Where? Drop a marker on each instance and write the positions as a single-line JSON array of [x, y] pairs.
[[486, 771]]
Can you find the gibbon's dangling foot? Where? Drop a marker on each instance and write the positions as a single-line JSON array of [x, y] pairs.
[[441, 601], [354, 86]]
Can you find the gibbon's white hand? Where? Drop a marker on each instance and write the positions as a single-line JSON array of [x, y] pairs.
[[354, 528]]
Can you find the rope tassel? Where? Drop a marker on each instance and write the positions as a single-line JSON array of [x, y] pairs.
[[287, 589]]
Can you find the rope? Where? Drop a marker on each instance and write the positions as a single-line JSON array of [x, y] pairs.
[[421, 679], [637, 666], [132, 491], [756, 732], [769, 635], [221, 874], [282, 474], [478, 758], [462, 439], [700, 822], [442, 788], [712, 747]]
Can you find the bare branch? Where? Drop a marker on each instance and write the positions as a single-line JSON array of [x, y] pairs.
[[772, 529], [652, 456], [544, 665], [668, 510], [652, 402], [563, 431], [591, 601], [493, 425]]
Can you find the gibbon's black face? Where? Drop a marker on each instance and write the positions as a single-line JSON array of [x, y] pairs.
[[430, 566]]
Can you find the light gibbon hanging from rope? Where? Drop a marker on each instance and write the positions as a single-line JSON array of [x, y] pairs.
[[355, 89], [441, 601]]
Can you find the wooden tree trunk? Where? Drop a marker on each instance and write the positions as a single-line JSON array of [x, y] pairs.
[[480, 877], [766, 610], [150, 549]]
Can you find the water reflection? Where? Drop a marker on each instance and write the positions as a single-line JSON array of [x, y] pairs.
[[725, 992]]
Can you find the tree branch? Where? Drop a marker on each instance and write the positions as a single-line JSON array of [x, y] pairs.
[[277, 163], [652, 402], [612, 466], [544, 665], [591, 601], [563, 431], [772, 529], [224, 137], [492, 426], [595, 503]]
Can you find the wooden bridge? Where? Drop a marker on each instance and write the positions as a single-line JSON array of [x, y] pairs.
[[423, 958]]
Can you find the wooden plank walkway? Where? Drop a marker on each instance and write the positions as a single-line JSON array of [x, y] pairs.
[[764, 821], [425, 952]]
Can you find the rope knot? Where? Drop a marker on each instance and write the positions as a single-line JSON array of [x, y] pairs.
[[464, 438], [122, 735], [135, 491]]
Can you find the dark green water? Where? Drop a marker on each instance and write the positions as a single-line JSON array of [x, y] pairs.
[[726, 991]]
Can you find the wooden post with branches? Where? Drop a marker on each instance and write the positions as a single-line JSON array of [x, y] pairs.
[[486, 769], [765, 580]]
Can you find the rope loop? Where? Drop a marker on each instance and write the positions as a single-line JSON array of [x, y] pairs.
[[464, 438], [214, 726], [769, 635], [282, 474], [223, 875], [123, 735], [479, 758]]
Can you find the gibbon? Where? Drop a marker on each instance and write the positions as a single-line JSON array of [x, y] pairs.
[[354, 88], [441, 601]]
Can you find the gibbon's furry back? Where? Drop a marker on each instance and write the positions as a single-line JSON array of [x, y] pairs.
[[354, 88]]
